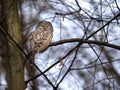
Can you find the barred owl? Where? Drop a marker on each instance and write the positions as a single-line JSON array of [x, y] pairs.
[[41, 37]]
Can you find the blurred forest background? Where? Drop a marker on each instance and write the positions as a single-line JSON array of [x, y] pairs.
[[85, 49]]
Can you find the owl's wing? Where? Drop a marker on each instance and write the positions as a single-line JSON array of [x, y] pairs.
[[45, 43], [40, 39]]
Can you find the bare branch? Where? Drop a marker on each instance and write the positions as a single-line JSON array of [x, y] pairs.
[[85, 41]]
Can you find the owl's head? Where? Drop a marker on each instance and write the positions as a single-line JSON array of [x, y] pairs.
[[46, 25]]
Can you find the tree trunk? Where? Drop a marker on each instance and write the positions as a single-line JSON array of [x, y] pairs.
[[15, 62]]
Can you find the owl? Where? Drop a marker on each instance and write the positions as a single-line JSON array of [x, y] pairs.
[[41, 37]]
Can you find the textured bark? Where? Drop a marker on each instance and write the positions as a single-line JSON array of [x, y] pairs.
[[15, 62]]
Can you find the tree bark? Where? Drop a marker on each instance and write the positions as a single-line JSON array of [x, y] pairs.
[[15, 62]]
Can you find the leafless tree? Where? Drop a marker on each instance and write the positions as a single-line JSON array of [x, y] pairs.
[[84, 53]]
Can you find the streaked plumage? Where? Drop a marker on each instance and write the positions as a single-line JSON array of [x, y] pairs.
[[41, 37]]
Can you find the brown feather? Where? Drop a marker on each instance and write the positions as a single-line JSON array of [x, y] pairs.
[[41, 37]]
